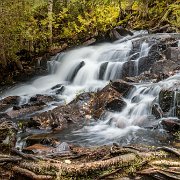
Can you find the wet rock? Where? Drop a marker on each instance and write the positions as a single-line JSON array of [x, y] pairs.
[[41, 99], [20, 111], [82, 99], [131, 79], [173, 54], [163, 66], [129, 69], [102, 71], [166, 100], [121, 86], [73, 74], [144, 64], [62, 148], [43, 61], [59, 117], [60, 90], [116, 105], [171, 125], [98, 102], [178, 111], [157, 111], [89, 42], [8, 131], [44, 139], [37, 149], [4, 117], [161, 76], [16, 108], [122, 31], [147, 76], [114, 35], [117, 33], [8, 102], [56, 86], [32, 123]]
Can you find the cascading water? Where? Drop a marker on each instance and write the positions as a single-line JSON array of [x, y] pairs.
[[89, 69], [84, 69], [129, 125]]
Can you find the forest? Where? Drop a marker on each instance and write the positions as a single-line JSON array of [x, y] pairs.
[[39, 26]]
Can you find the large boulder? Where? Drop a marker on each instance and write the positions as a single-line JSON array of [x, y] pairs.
[[171, 125], [59, 117], [116, 105], [173, 54], [121, 86], [109, 98]]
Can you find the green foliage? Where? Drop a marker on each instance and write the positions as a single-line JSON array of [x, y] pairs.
[[87, 23], [24, 23]]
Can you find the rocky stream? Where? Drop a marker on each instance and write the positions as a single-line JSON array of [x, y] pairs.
[[103, 111]]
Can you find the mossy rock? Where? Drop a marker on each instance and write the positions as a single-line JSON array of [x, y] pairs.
[[166, 100], [8, 133]]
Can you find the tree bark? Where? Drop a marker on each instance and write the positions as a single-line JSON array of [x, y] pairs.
[[50, 27]]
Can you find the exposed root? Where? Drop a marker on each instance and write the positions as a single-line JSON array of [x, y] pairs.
[[152, 172], [93, 163], [171, 150], [104, 176], [166, 163], [30, 174], [10, 159], [83, 168], [23, 155]]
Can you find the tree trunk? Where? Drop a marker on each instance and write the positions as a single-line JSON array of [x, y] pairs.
[[50, 29], [3, 59]]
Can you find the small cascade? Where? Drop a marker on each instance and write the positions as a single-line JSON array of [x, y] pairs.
[[174, 104], [136, 116], [143, 53]]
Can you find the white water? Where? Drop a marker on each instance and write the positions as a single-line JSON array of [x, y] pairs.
[[80, 70], [133, 118], [65, 69]]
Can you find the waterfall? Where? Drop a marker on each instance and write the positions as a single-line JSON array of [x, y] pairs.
[[90, 69], [86, 69]]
